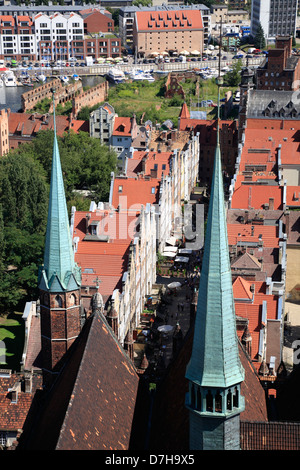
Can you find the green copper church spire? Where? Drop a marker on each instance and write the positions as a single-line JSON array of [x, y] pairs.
[[59, 264], [214, 371]]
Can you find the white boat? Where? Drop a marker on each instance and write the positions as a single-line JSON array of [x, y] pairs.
[[9, 79], [76, 77], [141, 75], [116, 75], [64, 78], [42, 78]]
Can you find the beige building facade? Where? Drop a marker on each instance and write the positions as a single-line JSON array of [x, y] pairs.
[[4, 133], [177, 31]]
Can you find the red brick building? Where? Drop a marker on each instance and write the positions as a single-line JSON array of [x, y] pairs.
[[281, 70], [94, 21]]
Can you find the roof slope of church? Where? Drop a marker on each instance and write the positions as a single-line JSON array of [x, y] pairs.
[[92, 404], [215, 361]]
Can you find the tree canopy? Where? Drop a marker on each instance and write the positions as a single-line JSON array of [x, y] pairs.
[[259, 39], [24, 190], [233, 78]]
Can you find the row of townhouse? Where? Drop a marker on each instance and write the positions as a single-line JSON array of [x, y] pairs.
[[263, 227], [58, 36], [116, 242]]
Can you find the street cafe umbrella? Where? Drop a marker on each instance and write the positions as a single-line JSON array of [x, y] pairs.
[[184, 53], [169, 254], [174, 285], [165, 328], [195, 52]]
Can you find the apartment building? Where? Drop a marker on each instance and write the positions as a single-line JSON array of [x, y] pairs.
[[58, 36], [277, 17], [127, 15], [167, 31], [17, 38]]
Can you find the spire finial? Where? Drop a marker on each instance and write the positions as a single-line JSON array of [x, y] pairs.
[[53, 98]]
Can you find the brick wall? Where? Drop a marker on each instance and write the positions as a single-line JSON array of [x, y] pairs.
[[89, 98], [62, 93], [60, 325]]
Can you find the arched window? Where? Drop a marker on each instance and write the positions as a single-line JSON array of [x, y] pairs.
[[209, 401], [236, 398], [218, 402], [46, 299], [198, 399], [58, 301], [73, 299], [193, 396], [229, 400]]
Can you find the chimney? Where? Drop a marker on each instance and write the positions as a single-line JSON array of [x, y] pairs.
[[271, 203], [28, 382]]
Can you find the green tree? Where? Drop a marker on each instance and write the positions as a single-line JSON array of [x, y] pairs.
[[259, 39], [23, 215], [233, 77]]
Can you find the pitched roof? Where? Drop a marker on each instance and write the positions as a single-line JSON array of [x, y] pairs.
[[132, 193], [184, 112], [13, 415], [171, 19], [122, 126], [30, 124], [255, 196], [251, 233], [242, 289], [106, 260], [246, 261], [91, 405]]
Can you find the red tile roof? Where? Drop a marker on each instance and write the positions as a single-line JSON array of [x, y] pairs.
[[152, 160], [184, 113], [251, 309], [243, 233], [7, 18], [135, 192], [122, 126], [30, 124], [242, 289], [293, 196], [256, 196], [107, 260], [162, 20]]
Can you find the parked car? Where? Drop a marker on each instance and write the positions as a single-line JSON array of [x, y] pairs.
[[224, 57], [82, 64]]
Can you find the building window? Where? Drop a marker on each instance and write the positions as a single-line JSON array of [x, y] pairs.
[[58, 301]]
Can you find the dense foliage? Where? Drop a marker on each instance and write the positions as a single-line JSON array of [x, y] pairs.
[[24, 189]]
